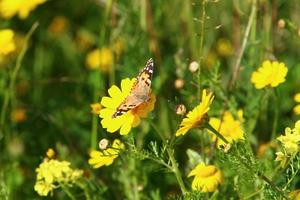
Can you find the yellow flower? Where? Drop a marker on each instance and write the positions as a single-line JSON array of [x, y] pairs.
[[196, 117], [297, 97], [58, 25], [297, 128], [7, 44], [52, 172], [102, 59], [269, 74], [18, 115], [96, 107], [207, 177], [230, 128], [224, 47], [107, 156], [9, 8], [129, 119], [43, 188], [297, 107], [290, 141], [295, 194], [282, 158]]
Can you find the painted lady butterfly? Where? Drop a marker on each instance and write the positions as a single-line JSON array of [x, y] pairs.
[[139, 92]]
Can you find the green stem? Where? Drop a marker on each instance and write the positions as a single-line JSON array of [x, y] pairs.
[[201, 47], [161, 162], [250, 196], [176, 170], [262, 177], [276, 115], [94, 134], [68, 192], [83, 187], [14, 74], [162, 137], [244, 44], [97, 87], [219, 135], [292, 178]]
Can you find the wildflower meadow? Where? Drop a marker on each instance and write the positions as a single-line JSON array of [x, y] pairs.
[[149, 99]]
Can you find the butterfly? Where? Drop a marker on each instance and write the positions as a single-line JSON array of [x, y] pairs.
[[139, 92]]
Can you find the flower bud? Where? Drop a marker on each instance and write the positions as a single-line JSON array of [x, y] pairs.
[[103, 144], [50, 153], [96, 107], [194, 66], [179, 83], [227, 147], [180, 109], [281, 24]]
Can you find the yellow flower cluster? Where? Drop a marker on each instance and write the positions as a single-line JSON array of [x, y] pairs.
[[52, 173], [269, 74], [106, 157], [129, 119], [290, 142], [229, 127], [196, 117], [7, 44], [297, 107], [207, 178], [10, 8]]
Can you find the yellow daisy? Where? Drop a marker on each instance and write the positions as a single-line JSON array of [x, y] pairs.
[[207, 178], [7, 44], [102, 59], [230, 128], [269, 74], [9, 8], [129, 119], [195, 117], [107, 156]]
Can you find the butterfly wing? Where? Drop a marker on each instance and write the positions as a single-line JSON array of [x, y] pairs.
[[139, 92]]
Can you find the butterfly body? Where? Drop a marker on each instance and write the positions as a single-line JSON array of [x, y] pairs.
[[139, 92]]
